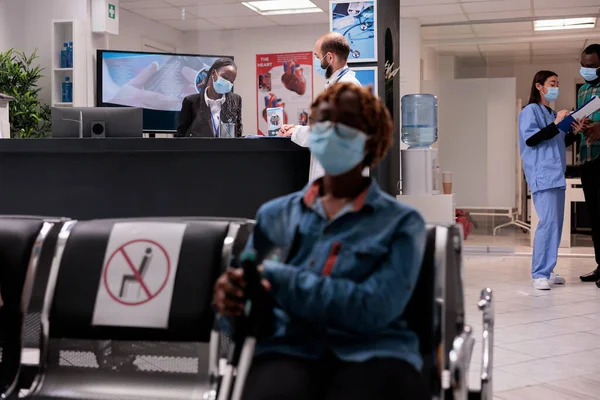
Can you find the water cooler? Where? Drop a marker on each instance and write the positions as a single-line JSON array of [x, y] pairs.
[[420, 169], [421, 175]]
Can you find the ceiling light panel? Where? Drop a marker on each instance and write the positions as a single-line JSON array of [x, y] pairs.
[[562, 24], [281, 7]]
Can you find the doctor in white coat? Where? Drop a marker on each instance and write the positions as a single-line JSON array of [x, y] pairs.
[[331, 60]]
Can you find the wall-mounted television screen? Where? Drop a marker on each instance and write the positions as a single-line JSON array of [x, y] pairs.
[[156, 82]]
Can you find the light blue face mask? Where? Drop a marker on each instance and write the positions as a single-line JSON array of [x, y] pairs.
[[589, 74], [337, 147], [552, 94], [318, 65], [222, 85]]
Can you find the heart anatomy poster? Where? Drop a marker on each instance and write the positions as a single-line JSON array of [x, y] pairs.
[[284, 80]]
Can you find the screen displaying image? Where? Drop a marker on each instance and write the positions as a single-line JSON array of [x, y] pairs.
[[156, 82], [367, 76], [355, 20]]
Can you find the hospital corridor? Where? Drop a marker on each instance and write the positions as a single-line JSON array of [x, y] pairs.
[[299, 200]]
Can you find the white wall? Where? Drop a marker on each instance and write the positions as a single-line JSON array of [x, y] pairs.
[[244, 45], [133, 29], [4, 27], [29, 27], [568, 74], [410, 56], [477, 139], [430, 59], [446, 68], [40, 13]]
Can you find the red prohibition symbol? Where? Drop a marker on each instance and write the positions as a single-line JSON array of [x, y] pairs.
[[136, 276]]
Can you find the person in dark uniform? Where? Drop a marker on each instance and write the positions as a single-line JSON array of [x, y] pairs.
[[201, 114]]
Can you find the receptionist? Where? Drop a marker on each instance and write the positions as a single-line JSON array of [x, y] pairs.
[[202, 114]]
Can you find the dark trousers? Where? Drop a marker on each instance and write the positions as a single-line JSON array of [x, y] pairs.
[[279, 377], [590, 181]]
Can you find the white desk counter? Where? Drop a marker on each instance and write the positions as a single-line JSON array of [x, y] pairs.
[[435, 209]]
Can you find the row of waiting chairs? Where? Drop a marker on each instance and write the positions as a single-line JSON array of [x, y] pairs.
[[50, 347]]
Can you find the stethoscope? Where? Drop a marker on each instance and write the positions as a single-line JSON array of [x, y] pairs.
[[344, 72]]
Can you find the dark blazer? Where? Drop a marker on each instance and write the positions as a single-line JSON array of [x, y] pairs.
[[195, 119]]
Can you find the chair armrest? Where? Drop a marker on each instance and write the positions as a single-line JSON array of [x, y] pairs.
[[486, 305], [460, 358]]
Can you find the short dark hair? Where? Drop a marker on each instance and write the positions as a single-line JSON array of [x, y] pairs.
[[541, 77], [375, 118], [593, 49], [337, 45]]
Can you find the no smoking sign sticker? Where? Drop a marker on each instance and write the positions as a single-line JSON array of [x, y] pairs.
[[138, 275]]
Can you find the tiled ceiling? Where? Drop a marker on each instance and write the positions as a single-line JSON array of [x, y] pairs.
[[462, 27], [460, 22], [205, 15]]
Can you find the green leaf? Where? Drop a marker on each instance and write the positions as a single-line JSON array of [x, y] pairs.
[[19, 77]]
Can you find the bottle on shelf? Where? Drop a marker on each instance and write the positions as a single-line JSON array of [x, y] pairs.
[[64, 56], [67, 91], [70, 55]]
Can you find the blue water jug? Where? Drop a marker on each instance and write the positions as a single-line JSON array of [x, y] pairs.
[[419, 120]]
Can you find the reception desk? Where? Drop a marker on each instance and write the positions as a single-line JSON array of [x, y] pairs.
[[116, 178]]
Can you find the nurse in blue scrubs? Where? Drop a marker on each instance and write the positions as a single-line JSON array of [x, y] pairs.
[[543, 152]]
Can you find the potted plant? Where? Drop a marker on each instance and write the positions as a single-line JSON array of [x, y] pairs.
[[19, 76], [390, 73]]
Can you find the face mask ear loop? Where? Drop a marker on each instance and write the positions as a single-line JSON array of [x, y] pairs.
[[324, 59]]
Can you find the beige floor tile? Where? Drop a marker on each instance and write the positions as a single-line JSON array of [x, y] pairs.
[[541, 392], [547, 343], [587, 386]]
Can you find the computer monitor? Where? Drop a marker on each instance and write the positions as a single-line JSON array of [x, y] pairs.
[[97, 122], [169, 78]]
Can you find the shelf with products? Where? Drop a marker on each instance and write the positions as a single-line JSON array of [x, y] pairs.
[[69, 50]]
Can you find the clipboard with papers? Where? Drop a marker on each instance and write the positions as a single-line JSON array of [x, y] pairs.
[[585, 110]]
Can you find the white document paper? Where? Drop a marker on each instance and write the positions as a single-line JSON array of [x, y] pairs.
[[588, 109]]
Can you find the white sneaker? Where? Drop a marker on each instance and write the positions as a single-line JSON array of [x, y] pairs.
[[541, 284], [556, 279]]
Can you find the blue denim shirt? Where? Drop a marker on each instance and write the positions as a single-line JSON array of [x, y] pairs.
[[347, 280]]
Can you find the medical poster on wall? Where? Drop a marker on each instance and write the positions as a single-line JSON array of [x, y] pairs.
[[367, 76], [284, 80], [356, 20]]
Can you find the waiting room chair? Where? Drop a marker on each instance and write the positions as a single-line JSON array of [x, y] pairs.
[[420, 311], [455, 337], [176, 362], [435, 312], [26, 250]]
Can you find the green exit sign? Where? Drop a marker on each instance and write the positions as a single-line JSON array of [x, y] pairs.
[[112, 11]]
